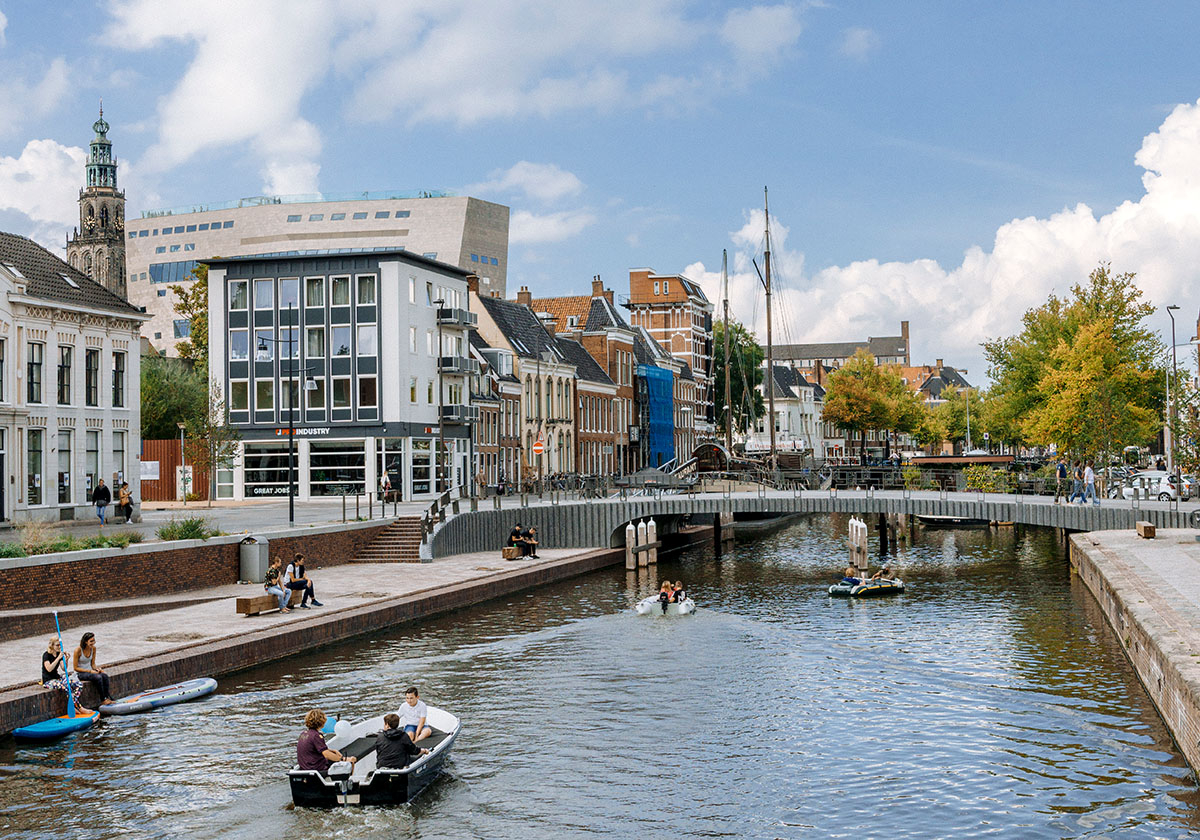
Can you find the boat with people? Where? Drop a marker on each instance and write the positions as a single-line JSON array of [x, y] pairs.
[[654, 606], [165, 696], [362, 782], [868, 588]]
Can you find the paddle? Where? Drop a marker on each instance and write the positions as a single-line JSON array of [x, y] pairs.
[[66, 669]]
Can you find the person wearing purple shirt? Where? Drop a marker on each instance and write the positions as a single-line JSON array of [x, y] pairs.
[[312, 753]]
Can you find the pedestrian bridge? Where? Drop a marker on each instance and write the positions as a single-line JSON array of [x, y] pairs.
[[588, 524]]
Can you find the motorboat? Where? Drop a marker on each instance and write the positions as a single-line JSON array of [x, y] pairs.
[[362, 783], [933, 521], [653, 606], [868, 588]]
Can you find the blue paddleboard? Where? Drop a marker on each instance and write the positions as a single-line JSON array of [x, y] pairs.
[[48, 730], [165, 696]]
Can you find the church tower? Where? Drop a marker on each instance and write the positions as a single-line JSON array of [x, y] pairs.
[[98, 246]]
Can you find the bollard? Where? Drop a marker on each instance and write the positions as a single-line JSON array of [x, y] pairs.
[[630, 542], [357, 516], [652, 536], [370, 506], [343, 507], [642, 559]]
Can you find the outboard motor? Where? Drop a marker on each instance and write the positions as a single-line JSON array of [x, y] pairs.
[[339, 773]]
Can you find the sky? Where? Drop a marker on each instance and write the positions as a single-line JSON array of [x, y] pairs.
[[944, 163]]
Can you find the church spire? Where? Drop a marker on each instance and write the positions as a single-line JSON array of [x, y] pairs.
[[98, 246], [101, 168]]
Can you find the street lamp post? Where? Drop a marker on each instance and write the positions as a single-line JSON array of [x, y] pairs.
[[1170, 432], [293, 393], [441, 459]]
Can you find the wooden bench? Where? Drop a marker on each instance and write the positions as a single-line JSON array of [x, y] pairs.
[[256, 604]]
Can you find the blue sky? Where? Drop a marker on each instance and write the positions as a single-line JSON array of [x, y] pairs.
[[943, 162]]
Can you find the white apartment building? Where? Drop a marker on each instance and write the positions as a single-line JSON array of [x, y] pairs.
[[798, 426], [376, 344], [69, 395], [163, 246]]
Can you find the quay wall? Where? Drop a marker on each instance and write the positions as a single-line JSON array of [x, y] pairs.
[[1159, 645], [29, 703], [162, 568]]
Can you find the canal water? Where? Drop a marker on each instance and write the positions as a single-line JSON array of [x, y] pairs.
[[990, 700]]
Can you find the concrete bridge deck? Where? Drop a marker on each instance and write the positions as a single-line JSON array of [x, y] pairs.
[[601, 522]]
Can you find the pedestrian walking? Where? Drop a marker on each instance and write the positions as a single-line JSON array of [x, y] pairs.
[[1060, 480], [1089, 482], [101, 498], [1076, 483]]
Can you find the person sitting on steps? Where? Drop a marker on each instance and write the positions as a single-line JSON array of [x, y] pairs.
[[52, 660]]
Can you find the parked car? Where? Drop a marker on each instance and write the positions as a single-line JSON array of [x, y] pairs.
[[1188, 486], [1152, 484]]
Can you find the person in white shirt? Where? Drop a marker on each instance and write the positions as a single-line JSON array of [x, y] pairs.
[[412, 716], [295, 577], [1089, 483]]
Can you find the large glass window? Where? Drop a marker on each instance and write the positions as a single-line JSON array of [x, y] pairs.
[[341, 341], [340, 291], [422, 467], [289, 342], [289, 293], [65, 355], [264, 395], [118, 463], [316, 397], [266, 469], [33, 458], [33, 373], [3, 370], [239, 346], [91, 464], [264, 294], [239, 396], [367, 394], [336, 467], [237, 294], [91, 375], [118, 380], [366, 290], [287, 396], [314, 291], [341, 393], [367, 340], [316, 342], [64, 466], [264, 345]]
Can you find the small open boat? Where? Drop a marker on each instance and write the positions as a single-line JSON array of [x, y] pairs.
[[653, 606], [870, 588], [365, 784], [54, 728], [165, 696], [932, 521]]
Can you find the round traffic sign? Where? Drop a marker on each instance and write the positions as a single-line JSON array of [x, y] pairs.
[[539, 447]]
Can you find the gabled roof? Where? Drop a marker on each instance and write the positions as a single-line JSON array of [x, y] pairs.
[[603, 315], [685, 373], [586, 367], [787, 380], [944, 378], [647, 351], [521, 327], [47, 276], [562, 308], [876, 346]]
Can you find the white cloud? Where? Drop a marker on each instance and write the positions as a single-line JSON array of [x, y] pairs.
[[525, 228], [858, 43], [3, 26], [43, 185], [1156, 235], [22, 100], [544, 182], [758, 35]]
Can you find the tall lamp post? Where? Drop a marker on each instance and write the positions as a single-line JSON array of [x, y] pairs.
[[1170, 434], [293, 393], [183, 463]]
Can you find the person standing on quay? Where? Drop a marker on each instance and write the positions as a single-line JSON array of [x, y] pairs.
[[1060, 479]]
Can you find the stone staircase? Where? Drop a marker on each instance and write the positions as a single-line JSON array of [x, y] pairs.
[[399, 542]]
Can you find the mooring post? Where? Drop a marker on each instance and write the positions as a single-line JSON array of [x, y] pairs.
[[630, 542], [652, 537], [717, 534], [642, 559]]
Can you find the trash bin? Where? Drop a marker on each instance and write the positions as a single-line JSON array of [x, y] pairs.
[[255, 557]]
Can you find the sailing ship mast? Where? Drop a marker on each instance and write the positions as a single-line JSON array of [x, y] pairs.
[[770, 378], [728, 380]]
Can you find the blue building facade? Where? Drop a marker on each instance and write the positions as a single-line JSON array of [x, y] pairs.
[[655, 387]]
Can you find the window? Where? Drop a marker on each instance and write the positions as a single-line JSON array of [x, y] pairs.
[[341, 393], [225, 225], [264, 395], [340, 341], [64, 466], [65, 354], [430, 255], [118, 380], [412, 289], [118, 463], [264, 345], [3, 371], [412, 390], [429, 392], [142, 233], [175, 248], [33, 491], [367, 396], [287, 393], [382, 214], [289, 293], [289, 342], [264, 294], [92, 461], [475, 258], [204, 226], [316, 343], [403, 214], [183, 328], [412, 339], [160, 249], [340, 289], [666, 284], [429, 342], [33, 372], [239, 395], [336, 217], [366, 340], [360, 215], [91, 377], [314, 291], [655, 287], [189, 246], [316, 398], [294, 218], [495, 261], [237, 294], [316, 217], [239, 348], [191, 228], [366, 290]]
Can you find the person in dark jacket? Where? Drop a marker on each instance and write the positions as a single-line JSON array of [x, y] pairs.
[[514, 536], [393, 748], [101, 498]]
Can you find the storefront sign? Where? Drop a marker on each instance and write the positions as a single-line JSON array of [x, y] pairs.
[[270, 490], [312, 431]]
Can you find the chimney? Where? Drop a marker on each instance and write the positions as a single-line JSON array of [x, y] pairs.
[[597, 286], [904, 330], [548, 320], [525, 296], [939, 365], [473, 283]]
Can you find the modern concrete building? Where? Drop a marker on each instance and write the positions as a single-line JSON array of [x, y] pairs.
[[69, 397], [163, 246], [377, 343]]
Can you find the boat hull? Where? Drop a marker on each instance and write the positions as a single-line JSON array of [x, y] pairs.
[[54, 728], [867, 589], [652, 606], [165, 696]]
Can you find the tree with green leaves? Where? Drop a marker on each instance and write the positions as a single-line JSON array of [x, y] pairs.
[[212, 444], [192, 304], [857, 397], [173, 391], [1085, 372], [746, 375]]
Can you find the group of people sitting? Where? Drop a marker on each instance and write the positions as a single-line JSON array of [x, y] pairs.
[[671, 594], [85, 665], [854, 575], [395, 745], [281, 584], [525, 540]]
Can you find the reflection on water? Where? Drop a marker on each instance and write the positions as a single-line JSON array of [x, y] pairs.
[[990, 699]]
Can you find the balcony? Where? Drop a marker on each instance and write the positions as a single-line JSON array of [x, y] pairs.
[[454, 365], [460, 413], [457, 318]]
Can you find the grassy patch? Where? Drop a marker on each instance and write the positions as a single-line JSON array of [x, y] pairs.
[[53, 543], [192, 528]]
